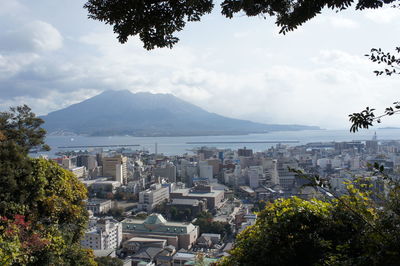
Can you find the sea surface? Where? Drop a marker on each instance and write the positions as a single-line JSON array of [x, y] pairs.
[[181, 145]]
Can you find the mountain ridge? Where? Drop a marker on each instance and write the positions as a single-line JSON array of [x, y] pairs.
[[147, 114]]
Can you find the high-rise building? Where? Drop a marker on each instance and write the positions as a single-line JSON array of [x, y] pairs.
[[255, 175], [89, 161], [270, 167], [166, 171], [372, 145], [116, 167], [205, 170], [215, 163], [191, 171], [287, 177]]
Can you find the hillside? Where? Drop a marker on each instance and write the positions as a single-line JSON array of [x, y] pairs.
[[147, 114]]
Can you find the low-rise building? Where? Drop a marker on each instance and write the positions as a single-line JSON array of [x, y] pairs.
[[105, 186], [79, 172], [98, 205], [152, 197], [179, 235], [194, 205], [214, 198]]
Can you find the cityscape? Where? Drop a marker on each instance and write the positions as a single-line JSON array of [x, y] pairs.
[[199, 132], [150, 209]]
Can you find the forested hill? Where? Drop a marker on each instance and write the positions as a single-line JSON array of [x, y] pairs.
[[147, 114]]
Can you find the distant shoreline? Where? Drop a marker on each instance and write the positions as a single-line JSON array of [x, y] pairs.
[[242, 142], [393, 128], [206, 134]]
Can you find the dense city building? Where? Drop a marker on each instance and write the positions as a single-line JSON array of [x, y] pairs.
[[103, 233], [116, 167]]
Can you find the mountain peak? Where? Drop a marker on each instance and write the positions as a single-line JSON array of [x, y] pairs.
[[121, 112], [116, 92], [140, 93]]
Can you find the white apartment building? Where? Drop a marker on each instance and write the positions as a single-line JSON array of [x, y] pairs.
[[103, 233], [150, 198], [205, 170], [255, 175]]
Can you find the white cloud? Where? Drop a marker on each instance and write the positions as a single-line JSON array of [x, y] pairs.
[[335, 84], [341, 22], [45, 36], [339, 59], [12, 64], [315, 75], [383, 15], [240, 35], [35, 36], [11, 8]]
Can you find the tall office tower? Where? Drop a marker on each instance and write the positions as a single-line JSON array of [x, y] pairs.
[[372, 145], [116, 167]]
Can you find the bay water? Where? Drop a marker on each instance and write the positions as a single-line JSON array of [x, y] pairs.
[[180, 145]]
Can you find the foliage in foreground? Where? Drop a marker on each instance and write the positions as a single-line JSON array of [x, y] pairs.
[[349, 230], [42, 211], [367, 117], [157, 22]]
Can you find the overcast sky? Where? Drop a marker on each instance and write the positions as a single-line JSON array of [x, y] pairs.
[[51, 56]]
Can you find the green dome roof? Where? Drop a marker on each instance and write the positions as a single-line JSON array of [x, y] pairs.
[[155, 218]]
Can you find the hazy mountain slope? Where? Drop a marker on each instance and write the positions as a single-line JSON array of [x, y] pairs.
[[146, 114]]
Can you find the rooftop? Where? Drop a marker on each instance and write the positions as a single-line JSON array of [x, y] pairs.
[[155, 218]]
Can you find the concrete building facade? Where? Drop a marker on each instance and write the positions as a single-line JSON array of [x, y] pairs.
[[103, 233], [167, 171], [116, 167], [213, 197], [98, 205], [179, 235], [150, 198]]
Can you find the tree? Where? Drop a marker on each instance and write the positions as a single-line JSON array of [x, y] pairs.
[[116, 212], [156, 21], [205, 221], [108, 261], [173, 212], [358, 228], [367, 117], [39, 200], [22, 127]]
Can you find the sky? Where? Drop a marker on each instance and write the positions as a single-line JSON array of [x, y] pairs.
[[52, 55]]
